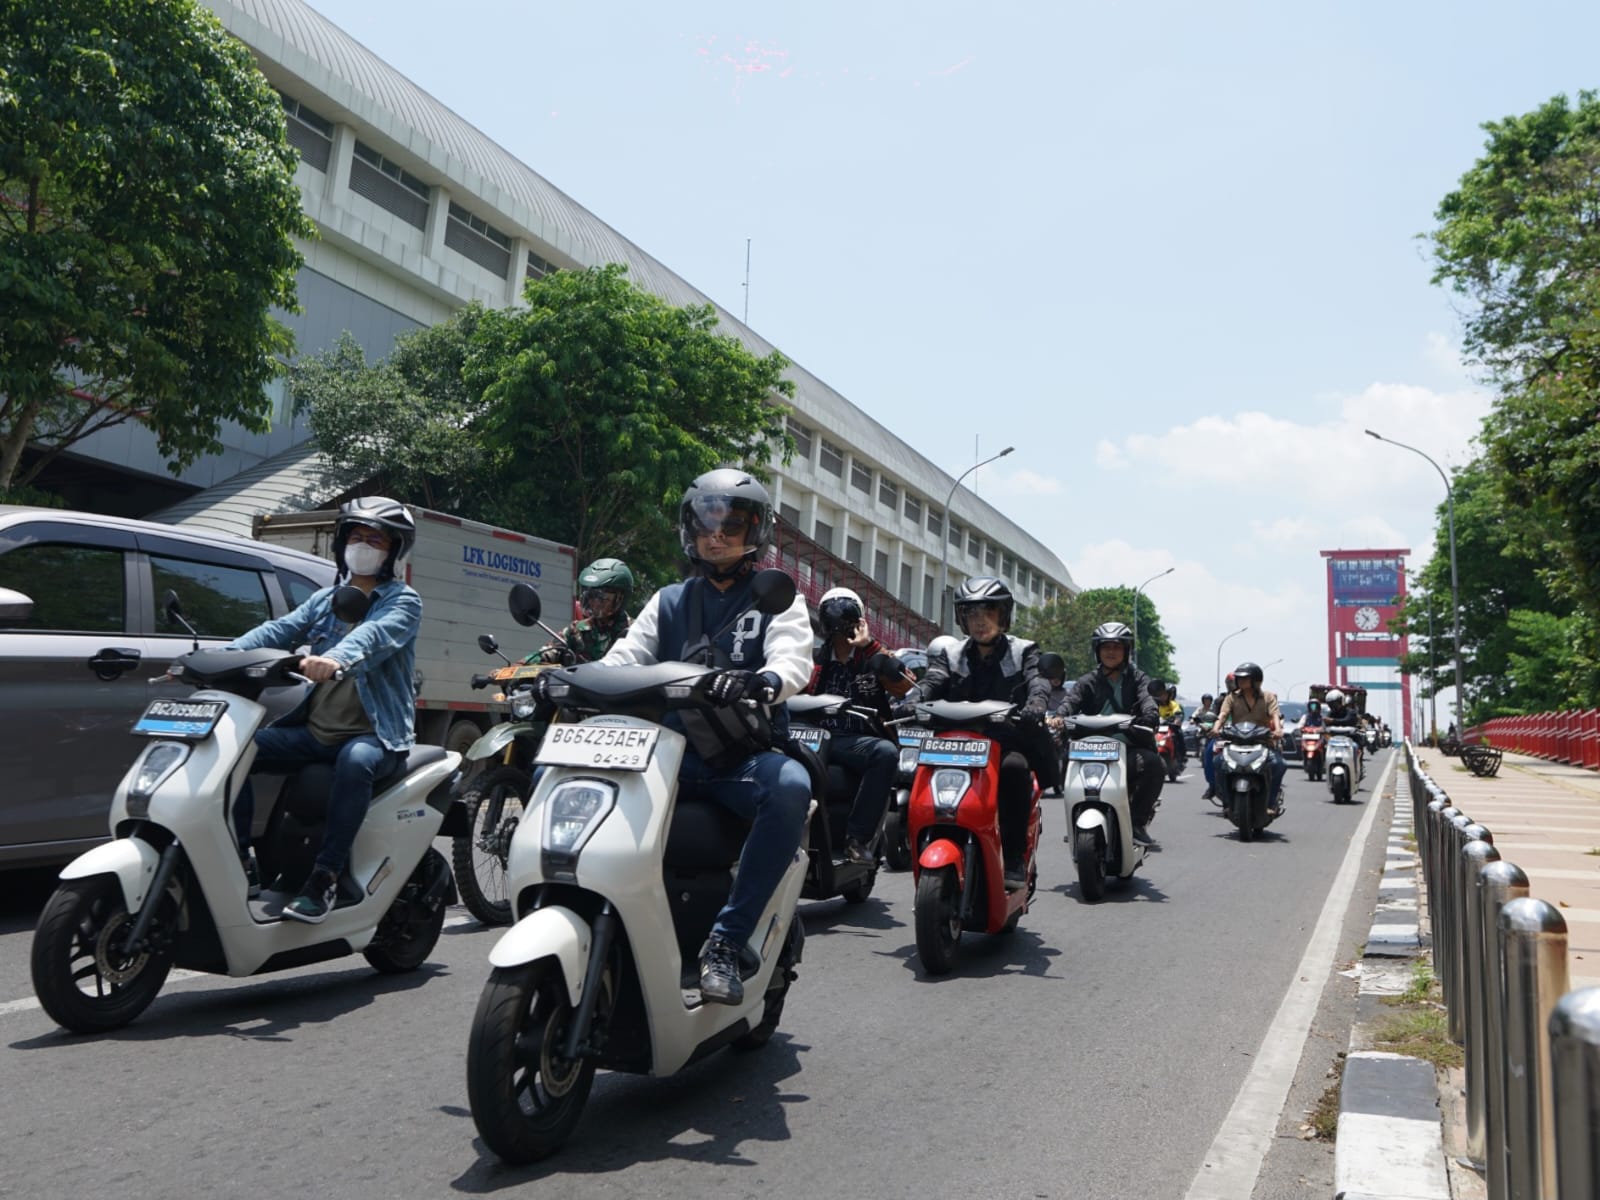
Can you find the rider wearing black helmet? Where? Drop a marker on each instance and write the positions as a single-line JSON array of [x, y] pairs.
[[725, 522], [604, 588], [1248, 703], [1117, 686], [361, 721], [990, 664]]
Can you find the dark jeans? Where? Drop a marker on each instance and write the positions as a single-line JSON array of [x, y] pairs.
[[1149, 773], [1015, 797], [873, 761], [357, 764], [773, 793]]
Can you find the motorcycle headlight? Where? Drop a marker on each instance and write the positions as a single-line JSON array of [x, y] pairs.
[[522, 705], [948, 787], [155, 766], [1093, 775], [572, 812], [908, 759]]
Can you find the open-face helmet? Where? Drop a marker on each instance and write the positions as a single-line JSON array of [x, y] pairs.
[[728, 497], [1250, 671], [1052, 666], [1111, 631], [374, 512], [984, 589], [601, 576]]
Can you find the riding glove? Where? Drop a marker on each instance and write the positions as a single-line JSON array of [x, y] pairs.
[[729, 687]]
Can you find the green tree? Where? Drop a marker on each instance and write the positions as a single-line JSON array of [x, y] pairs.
[[149, 207], [603, 401], [1065, 625], [1519, 239]]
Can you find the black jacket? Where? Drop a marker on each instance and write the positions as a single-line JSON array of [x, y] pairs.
[[1011, 674], [1090, 694]]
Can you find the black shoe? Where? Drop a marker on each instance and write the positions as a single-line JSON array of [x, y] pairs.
[[315, 900], [1209, 794], [252, 875], [1016, 875], [1142, 835], [858, 853], [719, 972]]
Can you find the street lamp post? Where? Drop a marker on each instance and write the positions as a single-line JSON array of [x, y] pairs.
[[944, 550], [1220, 645], [1455, 585], [1136, 591]]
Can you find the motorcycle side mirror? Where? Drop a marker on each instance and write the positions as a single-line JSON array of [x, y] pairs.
[[773, 591], [525, 605], [171, 609], [488, 644], [350, 604]]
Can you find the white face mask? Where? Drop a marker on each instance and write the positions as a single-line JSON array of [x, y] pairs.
[[363, 559]]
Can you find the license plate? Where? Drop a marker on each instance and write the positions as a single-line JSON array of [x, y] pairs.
[[914, 737], [953, 752], [519, 671], [808, 736], [188, 719], [608, 747], [1095, 750]]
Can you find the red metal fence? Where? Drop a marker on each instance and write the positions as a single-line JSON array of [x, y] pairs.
[[1569, 737], [816, 569]]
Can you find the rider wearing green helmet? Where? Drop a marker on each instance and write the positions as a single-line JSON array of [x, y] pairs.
[[604, 588]]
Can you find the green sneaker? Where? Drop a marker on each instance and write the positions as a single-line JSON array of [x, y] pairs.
[[315, 900]]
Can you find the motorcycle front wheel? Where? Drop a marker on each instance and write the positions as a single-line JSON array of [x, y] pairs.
[[526, 1097], [1247, 815], [1091, 870], [938, 920], [494, 807], [896, 849], [83, 979]]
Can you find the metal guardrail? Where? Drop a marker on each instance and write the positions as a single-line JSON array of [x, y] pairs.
[[1532, 1047]]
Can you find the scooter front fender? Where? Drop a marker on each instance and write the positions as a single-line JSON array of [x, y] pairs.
[[496, 740], [1090, 817], [131, 860], [941, 853], [553, 932]]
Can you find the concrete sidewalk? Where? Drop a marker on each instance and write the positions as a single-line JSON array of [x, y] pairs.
[[1545, 818]]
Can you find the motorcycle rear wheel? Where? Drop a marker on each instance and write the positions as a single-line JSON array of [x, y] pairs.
[[76, 945], [409, 932], [1091, 870], [858, 892], [938, 920], [896, 849], [493, 808], [525, 1098]]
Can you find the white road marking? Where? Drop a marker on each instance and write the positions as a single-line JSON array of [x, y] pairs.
[[1234, 1160], [30, 1003]]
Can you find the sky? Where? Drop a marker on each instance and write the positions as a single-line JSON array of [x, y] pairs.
[[1170, 251]]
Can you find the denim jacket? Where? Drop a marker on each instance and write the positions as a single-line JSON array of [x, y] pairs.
[[380, 652]]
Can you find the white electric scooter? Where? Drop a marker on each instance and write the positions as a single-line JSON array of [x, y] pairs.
[[170, 891], [615, 881], [1343, 762], [1098, 783]]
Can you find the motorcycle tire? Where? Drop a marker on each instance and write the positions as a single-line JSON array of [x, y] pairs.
[[479, 856], [772, 1008], [409, 930], [938, 920], [72, 946], [1091, 868], [896, 849], [858, 892], [1247, 822], [525, 1105]]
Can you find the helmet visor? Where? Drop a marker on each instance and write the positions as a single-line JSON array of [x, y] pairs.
[[732, 517]]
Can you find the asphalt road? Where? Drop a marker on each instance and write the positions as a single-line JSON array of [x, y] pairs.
[[1094, 1054]]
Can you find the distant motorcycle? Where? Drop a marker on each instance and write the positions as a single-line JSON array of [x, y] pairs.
[[830, 872], [896, 844], [1099, 781], [1244, 777], [1312, 752], [1344, 763]]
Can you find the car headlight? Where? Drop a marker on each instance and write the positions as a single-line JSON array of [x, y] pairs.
[[572, 812], [1093, 775], [948, 787], [908, 759], [155, 766], [522, 704]]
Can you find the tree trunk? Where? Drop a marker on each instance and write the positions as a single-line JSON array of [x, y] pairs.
[[14, 441]]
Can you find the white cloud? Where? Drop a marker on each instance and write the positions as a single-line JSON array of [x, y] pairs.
[[1023, 482]]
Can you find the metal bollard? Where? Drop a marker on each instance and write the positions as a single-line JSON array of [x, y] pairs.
[[1498, 884], [1430, 874], [1535, 976], [1451, 876], [1475, 855], [1575, 1088]]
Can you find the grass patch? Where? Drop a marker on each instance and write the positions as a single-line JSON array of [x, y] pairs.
[[1420, 1031], [1322, 1122], [1422, 989]]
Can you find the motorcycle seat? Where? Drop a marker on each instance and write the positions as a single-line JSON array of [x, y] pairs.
[[305, 794], [703, 835]]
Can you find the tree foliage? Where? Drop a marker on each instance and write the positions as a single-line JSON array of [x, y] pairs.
[[1065, 625], [147, 215], [580, 418]]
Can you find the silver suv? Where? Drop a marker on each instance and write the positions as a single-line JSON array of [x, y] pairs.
[[81, 635]]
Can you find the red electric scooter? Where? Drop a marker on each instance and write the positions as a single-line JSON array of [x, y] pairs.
[[954, 830]]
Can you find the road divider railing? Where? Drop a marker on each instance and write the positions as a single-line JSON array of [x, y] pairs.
[[1572, 736], [1532, 1047]]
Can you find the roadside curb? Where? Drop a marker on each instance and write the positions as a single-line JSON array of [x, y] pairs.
[[1390, 1141]]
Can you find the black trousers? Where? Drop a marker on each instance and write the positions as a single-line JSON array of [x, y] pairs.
[[1149, 773], [1016, 801], [872, 760]]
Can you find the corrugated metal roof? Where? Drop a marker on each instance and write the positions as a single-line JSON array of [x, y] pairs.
[[303, 51], [299, 479]]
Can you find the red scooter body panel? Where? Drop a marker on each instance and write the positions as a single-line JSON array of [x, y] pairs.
[[978, 817]]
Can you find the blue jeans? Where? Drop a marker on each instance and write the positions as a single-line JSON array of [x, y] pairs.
[[1208, 763], [773, 793], [1274, 759], [357, 765]]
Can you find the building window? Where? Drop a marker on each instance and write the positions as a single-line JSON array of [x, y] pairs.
[[888, 492], [389, 186], [989, 556], [823, 535], [1008, 567], [880, 569], [832, 458], [913, 509], [954, 534], [852, 551], [860, 477], [905, 584], [801, 436], [927, 596], [473, 237], [935, 522], [309, 133], [973, 545], [539, 267], [789, 515]]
